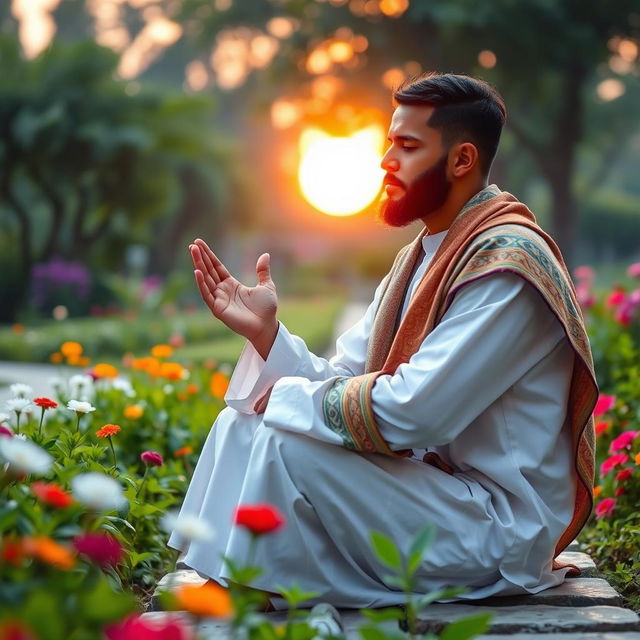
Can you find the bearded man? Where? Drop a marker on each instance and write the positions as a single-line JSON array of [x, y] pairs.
[[463, 397]]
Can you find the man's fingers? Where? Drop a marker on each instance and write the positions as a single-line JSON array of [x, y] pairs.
[[213, 259], [202, 263], [263, 269], [205, 292], [261, 405]]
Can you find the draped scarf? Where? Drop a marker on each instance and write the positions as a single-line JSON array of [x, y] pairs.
[[494, 235]]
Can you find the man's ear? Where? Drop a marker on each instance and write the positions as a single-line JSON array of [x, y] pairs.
[[463, 158]]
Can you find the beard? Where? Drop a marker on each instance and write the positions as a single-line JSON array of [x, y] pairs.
[[425, 194]]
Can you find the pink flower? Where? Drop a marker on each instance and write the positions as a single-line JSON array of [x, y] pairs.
[[604, 404], [623, 441], [615, 298], [100, 548], [623, 315], [605, 507], [586, 299], [634, 270], [624, 475], [137, 628], [612, 462], [584, 273], [151, 458], [5, 431]]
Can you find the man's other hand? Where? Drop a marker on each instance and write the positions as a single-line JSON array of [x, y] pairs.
[[249, 311], [261, 405]]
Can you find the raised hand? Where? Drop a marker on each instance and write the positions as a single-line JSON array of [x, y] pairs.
[[249, 311]]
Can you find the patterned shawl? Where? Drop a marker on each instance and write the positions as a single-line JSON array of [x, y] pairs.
[[497, 233]]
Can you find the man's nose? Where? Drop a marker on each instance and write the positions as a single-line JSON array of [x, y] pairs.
[[389, 163]]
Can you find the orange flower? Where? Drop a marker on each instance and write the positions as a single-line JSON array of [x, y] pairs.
[[208, 600], [597, 491], [133, 412], [108, 430], [69, 349], [74, 360], [172, 371], [219, 384], [148, 364], [84, 361], [104, 370], [192, 389], [162, 351], [56, 357], [51, 494], [637, 458], [183, 451], [17, 328], [49, 552]]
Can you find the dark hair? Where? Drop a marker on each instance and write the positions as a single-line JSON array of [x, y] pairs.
[[466, 110]]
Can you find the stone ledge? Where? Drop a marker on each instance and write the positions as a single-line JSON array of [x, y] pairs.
[[583, 561], [175, 579], [543, 619], [628, 635]]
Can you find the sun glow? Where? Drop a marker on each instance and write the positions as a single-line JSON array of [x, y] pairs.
[[341, 175]]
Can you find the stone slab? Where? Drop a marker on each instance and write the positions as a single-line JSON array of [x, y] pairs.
[[583, 561], [172, 581], [578, 592], [543, 619], [573, 546], [614, 635]]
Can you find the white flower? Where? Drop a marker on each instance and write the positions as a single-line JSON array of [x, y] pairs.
[[17, 404], [122, 384], [97, 491], [80, 407], [58, 385], [188, 526], [81, 386], [24, 456], [167, 389], [20, 390]]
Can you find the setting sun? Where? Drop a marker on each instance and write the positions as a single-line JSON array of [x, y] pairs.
[[341, 175]]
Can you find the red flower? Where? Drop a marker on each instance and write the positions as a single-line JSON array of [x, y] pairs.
[[45, 403], [615, 298], [51, 494], [151, 458], [604, 404], [605, 507], [136, 628], [108, 430], [619, 491], [14, 630], [259, 518], [623, 475], [100, 548], [623, 441], [612, 462], [5, 431], [602, 426]]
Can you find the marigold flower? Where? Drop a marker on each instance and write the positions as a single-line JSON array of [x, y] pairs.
[[162, 351], [192, 389], [604, 404], [219, 384], [56, 357], [84, 361], [108, 430], [45, 403], [597, 490], [172, 371], [71, 349], [51, 494], [612, 462], [183, 451], [208, 600], [100, 548], [637, 458], [623, 441], [50, 552], [259, 518], [151, 458], [605, 507], [105, 370], [133, 412], [624, 474]]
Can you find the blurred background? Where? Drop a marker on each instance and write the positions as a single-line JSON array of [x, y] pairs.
[[130, 127]]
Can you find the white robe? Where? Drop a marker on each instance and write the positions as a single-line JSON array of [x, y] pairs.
[[487, 391]]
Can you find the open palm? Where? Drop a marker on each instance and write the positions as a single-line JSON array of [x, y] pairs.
[[249, 311]]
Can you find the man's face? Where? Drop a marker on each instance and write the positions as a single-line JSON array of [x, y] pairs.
[[416, 164]]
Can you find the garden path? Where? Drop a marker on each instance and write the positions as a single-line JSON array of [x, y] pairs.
[[37, 376]]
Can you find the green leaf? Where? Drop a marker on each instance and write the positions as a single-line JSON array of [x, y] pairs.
[[386, 550], [441, 594], [137, 558], [295, 595], [467, 627], [44, 614], [419, 546], [382, 615], [102, 604]]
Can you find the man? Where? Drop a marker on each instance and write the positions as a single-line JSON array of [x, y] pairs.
[[463, 397]]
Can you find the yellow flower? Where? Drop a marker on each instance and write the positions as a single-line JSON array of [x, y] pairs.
[[56, 357], [208, 600], [104, 370], [133, 412], [219, 384], [162, 351], [69, 349]]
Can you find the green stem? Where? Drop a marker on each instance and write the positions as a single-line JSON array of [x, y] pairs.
[[78, 423], [113, 451], [144, 479], [41, 420], [18, 422]]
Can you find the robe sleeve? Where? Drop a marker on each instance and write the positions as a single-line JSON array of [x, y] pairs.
[[289, 356], [494, 331]]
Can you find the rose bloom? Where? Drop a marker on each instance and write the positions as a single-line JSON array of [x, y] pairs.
[[151, 458], [259, 518], [208, 600], [623, 441], [133, 412], [45, 403], [612, 462], [51, 494], [108, 430], [100, 548], [605, 507], [604, 404], [136, 627]]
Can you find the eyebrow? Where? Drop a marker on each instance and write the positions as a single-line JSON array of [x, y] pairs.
[[404, 138]]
